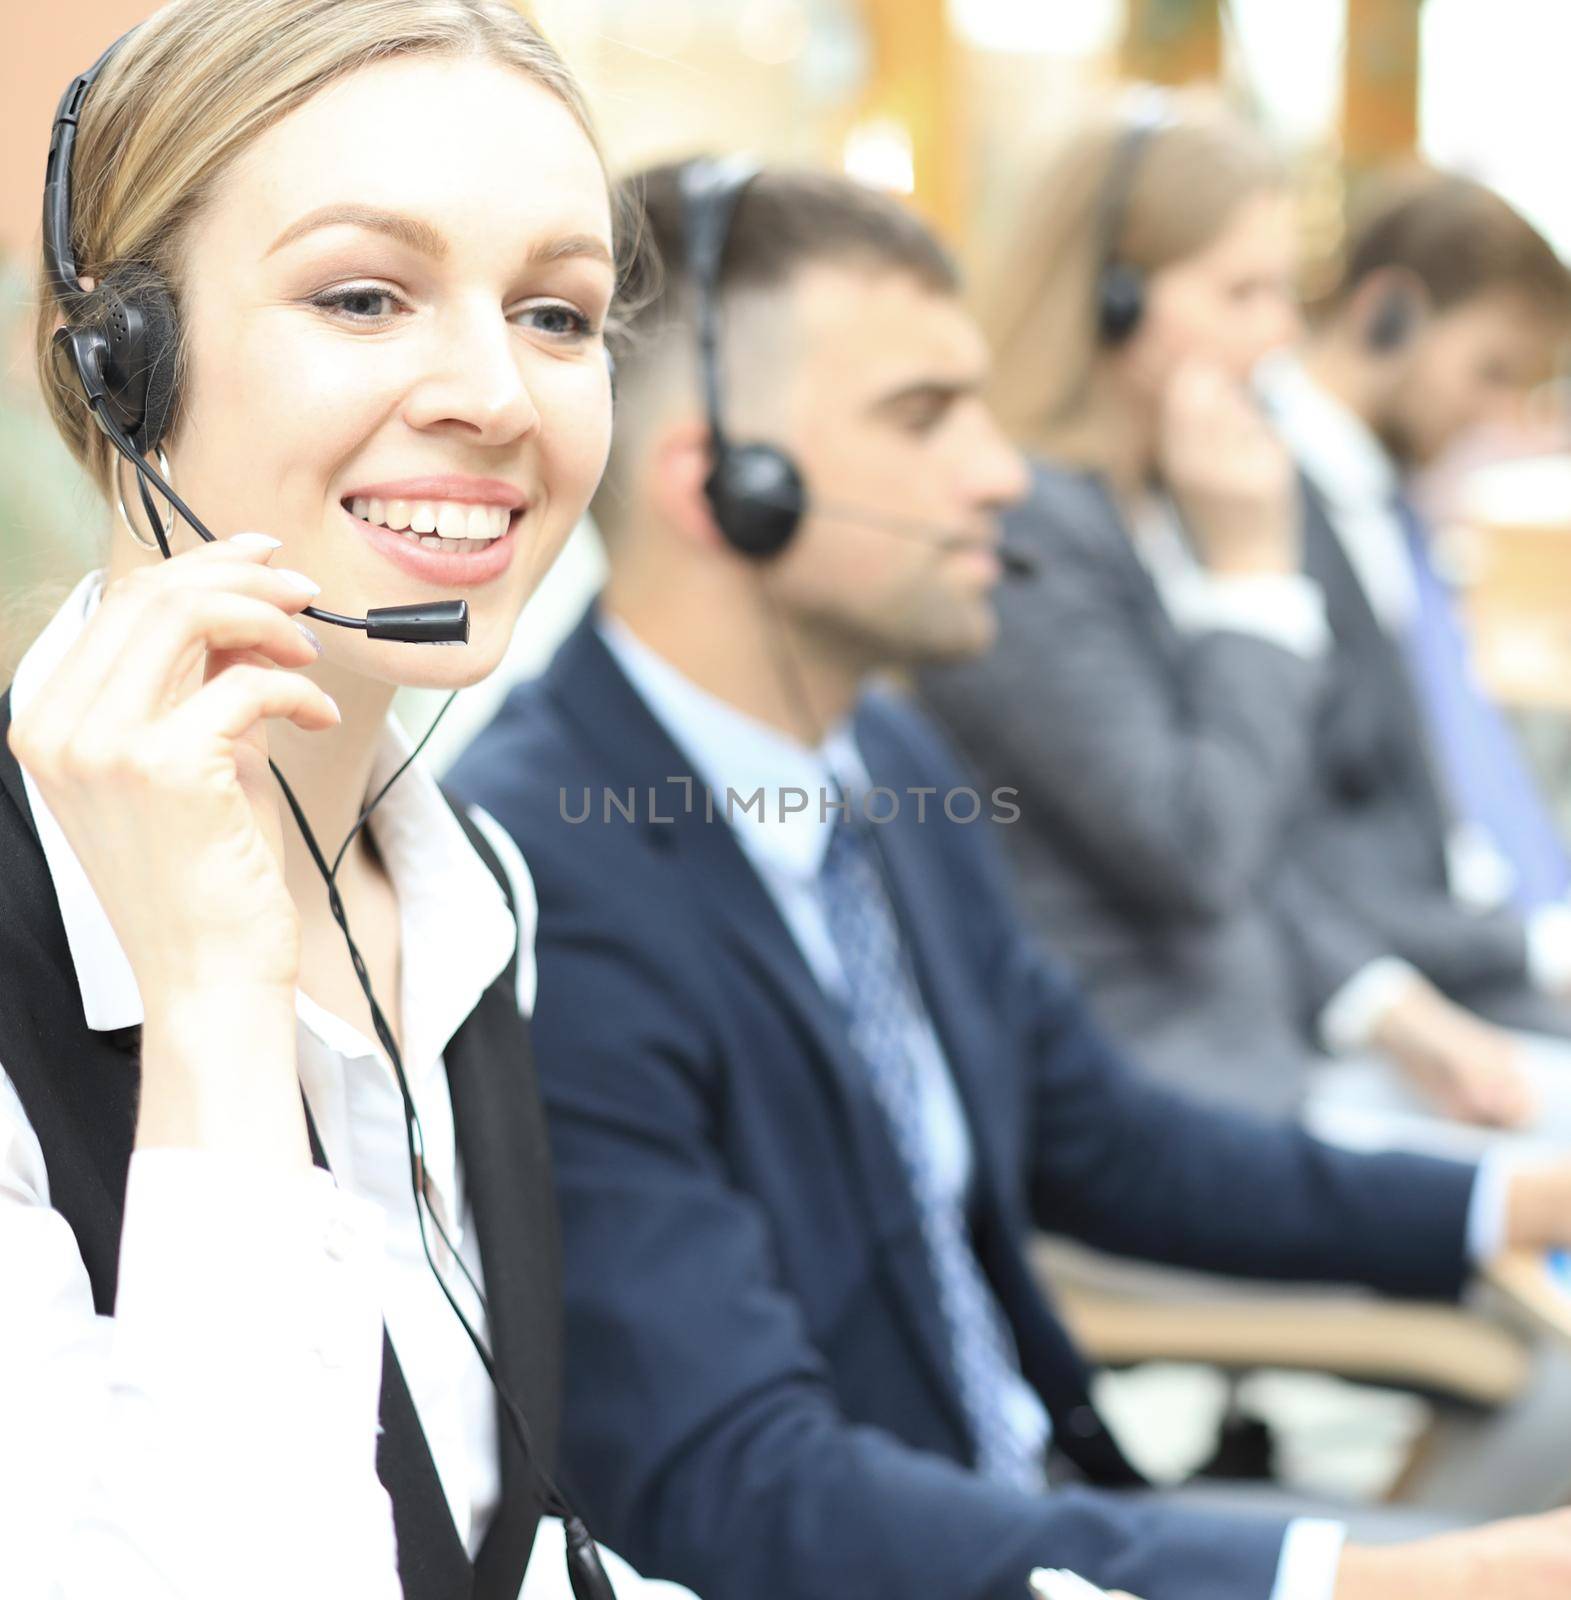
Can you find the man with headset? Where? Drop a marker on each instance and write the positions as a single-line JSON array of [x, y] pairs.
[[810, 1082], [1425, 816]]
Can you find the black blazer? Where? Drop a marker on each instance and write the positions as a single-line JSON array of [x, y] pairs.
[[79, 1090], [760, 1395], [1372, 832]]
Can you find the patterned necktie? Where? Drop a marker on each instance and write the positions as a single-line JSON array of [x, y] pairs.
[[1485, 776], [884, 1007]]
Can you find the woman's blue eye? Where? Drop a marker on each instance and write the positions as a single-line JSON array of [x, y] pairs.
[[348, 300], [360, 303], [561, 321]]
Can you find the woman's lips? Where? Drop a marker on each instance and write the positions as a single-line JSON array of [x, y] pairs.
[[441, 568]]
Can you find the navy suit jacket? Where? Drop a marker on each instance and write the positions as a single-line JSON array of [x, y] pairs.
[[759, 1397]]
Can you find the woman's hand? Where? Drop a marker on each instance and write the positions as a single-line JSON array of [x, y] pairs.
[[148, 745], [1469, 1068], [1229, 474]]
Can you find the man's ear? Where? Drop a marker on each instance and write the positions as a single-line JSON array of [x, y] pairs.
[[1390, 309], [678, 462]]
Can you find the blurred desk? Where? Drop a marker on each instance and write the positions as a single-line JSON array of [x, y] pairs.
[[1517, 592], [1510, 549], [1538, 1284]]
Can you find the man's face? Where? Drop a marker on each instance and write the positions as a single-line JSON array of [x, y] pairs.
[[906, 470], [1469, 366]]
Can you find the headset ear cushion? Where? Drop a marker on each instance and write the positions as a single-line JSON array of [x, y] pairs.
[[162, 336], [1120, 302], [129, 324], [758, 497]]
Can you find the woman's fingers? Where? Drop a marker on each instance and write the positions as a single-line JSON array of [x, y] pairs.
[[179, 629], [127, 619], [236, 700]]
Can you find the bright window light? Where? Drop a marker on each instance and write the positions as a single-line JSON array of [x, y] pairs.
[[878, 152], [1048, 27]]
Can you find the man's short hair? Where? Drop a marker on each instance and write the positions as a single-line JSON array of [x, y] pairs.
[[785, 220], [1457, 237]]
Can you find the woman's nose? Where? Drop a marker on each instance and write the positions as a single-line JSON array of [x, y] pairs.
[[475, 382]]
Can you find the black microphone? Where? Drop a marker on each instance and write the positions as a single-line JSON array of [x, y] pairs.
[[1016, 562], [426, 622]]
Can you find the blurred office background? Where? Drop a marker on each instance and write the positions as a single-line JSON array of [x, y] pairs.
[[950, 102]]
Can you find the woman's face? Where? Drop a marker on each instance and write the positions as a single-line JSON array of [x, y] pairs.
[[1228, 304], [394, 306]]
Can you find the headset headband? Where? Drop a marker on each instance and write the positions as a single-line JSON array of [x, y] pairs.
[[1149, 112], [710, 192], [59, 252]]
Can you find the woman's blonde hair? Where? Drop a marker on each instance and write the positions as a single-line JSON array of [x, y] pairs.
[[185, 95], [1194, 169]]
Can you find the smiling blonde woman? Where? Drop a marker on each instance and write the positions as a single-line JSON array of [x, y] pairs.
[[385, 238]]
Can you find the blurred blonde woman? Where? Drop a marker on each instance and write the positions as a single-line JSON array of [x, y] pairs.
[[375, 243], [1160, 684]]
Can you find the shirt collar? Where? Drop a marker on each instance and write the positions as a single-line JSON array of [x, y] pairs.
[[731, 750], [1338, 450], [457, 933]]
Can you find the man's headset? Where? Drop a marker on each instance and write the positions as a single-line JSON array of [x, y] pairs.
[[121, 340], [757, 491], [1120, 285]]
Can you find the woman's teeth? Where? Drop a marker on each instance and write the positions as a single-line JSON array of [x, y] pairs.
[[437, 524]]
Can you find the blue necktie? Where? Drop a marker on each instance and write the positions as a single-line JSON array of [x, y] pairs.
[[883, 1008], [1486, 779]]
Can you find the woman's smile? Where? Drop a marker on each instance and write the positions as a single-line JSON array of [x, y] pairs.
[[425, 551], [443, 528]]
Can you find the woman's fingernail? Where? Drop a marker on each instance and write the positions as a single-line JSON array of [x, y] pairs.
[[298, 580], [337, 714], [257, 541], [310, 638]]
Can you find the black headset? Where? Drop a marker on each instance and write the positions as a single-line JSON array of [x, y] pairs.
[[756, 491], [1395, 318], [1120, 285], [122, 340]]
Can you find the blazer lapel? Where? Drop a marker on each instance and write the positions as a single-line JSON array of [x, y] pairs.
[[507, 1173], [1135, 575], [637, 751]]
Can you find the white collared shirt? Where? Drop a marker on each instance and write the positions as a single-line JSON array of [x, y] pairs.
[[217, 1434], [1358, 481]]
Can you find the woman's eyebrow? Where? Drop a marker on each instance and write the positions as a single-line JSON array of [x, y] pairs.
[[422, 236], [411, 231]]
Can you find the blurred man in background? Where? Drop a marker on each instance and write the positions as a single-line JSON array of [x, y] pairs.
[[1425, 819], [810, 1081]]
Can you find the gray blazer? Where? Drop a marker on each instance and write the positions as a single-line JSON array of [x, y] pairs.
[[1159, 776]]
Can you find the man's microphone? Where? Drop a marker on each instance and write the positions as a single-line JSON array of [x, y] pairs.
[[1017, 563], [937, 536]]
